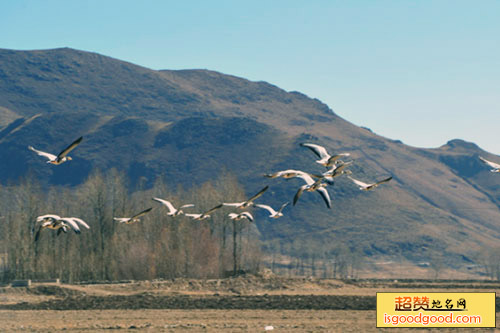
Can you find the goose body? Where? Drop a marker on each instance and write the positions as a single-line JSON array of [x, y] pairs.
[[495, 167], [311, 186], [133, 219], [274, 214], [241, 216], [325, 158], [172, 211], [62, 156], [52, 224], [247, 203], [204, 215], [366, 187]]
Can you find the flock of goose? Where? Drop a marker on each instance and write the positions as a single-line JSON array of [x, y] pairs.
[[313, 182]]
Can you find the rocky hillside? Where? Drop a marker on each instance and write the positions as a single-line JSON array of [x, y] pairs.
[[443, 204]]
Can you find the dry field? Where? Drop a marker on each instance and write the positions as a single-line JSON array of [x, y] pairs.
[[242, 304]]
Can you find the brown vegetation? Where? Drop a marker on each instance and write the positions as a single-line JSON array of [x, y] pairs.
[[157, 247]]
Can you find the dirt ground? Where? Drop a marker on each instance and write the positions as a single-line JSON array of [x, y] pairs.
[[195, 321], [241, 304]]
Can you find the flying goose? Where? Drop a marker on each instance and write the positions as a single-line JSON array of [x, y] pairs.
[[205, 215], [248, 202], [133, 219], [326, 159], [240, 216], [367, 187], [49, 221], [495, 166], [284, 174], [274, 214], [311, 186], [336, 170], [62, 157], [172, 210]]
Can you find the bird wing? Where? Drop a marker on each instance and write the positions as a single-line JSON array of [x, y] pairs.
[[490, 163], [320, 151], [283, 206], [258, 194], [213, 209], [37, 235], [298, 194], [266, 207], [51, 157], [325, 196], [383, 181], [248, 215], [194, 216], [121, 219], [232, 216], [81, 222], [70, 147], [71, 223], [340, 167], [333, 158], [307, 178], [289, 172], [48, 216], [187, 205], [168, 204], [233, 204], [144, 212], [359, 183]]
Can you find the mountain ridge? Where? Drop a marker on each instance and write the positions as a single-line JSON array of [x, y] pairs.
[[150, 123]]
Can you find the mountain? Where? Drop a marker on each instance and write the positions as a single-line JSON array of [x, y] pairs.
[[188, 125]]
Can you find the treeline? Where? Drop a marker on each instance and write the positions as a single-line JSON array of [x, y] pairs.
[[157, 247]]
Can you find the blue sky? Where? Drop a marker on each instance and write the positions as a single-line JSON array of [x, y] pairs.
[[422, 71]]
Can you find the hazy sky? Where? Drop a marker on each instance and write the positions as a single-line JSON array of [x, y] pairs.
[[421, 71]]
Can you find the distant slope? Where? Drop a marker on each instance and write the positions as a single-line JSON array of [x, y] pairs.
[[189, 125]]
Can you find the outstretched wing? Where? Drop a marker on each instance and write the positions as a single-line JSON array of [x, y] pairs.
[[325, 196], [37, 235], [248, 215], [168, 204], [383, 181], [320, 151], [233, 204], [283, 206], [307, 178], [298, 194], [187, 205], [193, 216], [211, 210], [290, 173], [72, 224], [144, 212], [80, 221], [51, 157], [490, 163], [47, 216], [258, 194], [359, 183], [266, 207], [70, 147]]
